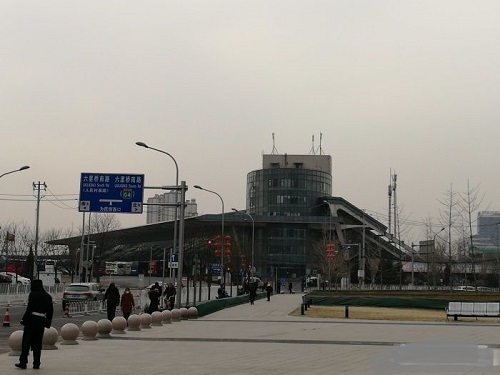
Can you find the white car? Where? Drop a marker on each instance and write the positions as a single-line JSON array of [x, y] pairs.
[[465, 288], [17, 279], [77, 292]]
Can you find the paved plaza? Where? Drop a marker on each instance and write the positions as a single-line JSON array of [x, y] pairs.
[[259, 339]]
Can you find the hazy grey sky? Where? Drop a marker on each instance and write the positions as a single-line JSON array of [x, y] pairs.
[[408, 85]]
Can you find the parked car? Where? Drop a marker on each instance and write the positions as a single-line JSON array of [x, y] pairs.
[[255, 279], [483, 289], [82, 292], [17, 279], [465, 288], [5, 279]]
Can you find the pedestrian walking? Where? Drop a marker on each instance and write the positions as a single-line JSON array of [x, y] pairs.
[[112, 298], [127, 303], [269, 290], [290, 287], [252, 292], [170, 294], [37, 317], [154, 297]]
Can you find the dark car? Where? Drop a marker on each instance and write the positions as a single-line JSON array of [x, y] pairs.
[[5, 279]]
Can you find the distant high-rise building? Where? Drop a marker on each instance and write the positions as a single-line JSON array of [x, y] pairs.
[[488, 225], [157, 212]]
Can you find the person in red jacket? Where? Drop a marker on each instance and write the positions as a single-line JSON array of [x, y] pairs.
[[127, 303]]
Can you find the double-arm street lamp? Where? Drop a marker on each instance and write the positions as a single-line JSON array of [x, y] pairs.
[[174, 246], [16, 170], [222, 233], [253, 238]]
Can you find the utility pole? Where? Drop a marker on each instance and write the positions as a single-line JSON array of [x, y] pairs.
[[38, 187]]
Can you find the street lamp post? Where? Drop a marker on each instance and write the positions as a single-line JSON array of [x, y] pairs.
[[434, 255], [174, 246], [253, 238], [4, 174], [16, 170], [330, 242], [222, 233]]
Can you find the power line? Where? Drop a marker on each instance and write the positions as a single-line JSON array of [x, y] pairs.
[[60, 201]]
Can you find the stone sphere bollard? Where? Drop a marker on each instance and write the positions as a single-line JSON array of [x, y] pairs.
[[146, 321], [176, 315], [192, 313], [50, 336], [16, 342], [167, 316], [119, 324], [69, 334], [134, 322], [104, 327], [89, 330], [156, 318], [184, 313]]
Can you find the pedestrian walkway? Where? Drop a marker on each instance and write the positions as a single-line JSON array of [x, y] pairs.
[[255, 339]]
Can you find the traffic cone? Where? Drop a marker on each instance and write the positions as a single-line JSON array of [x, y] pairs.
[[6, 318], [66, 311]]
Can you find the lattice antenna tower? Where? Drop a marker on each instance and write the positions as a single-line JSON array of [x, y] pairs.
[[320, 149], [275, 150], [389, 193], [312, 151]]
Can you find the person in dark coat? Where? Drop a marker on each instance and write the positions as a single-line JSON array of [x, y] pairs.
[[252, 292], [127, 303], [154, 297], [112, 298], [37, 317], [269, 290]]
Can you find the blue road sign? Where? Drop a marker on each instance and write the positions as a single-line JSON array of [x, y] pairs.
[[215, 268], [111, 193]]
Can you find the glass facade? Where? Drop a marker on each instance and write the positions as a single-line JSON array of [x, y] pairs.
[[284, 248], [286, 191]]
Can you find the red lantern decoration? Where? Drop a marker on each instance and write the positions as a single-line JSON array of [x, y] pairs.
[[227, 245], [330, 251]]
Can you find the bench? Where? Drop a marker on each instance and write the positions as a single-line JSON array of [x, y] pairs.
[[473, 309]]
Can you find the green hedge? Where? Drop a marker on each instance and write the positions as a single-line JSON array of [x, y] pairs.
[[420, 303], [439, 302], [209, 307]]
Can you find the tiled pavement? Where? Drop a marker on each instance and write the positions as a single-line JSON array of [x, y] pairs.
[[257, 339]]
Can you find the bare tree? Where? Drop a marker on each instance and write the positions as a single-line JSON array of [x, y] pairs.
[[329, 267], [449, 214], [471, 201], [22, 240]]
